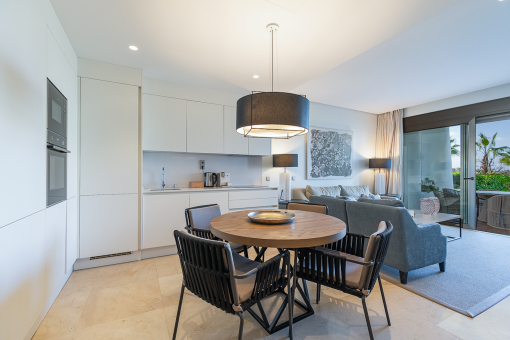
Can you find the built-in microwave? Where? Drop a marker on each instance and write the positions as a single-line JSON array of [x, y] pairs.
[[56, 144], [57, 111]]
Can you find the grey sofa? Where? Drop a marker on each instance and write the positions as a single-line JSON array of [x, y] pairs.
[[411, 247]]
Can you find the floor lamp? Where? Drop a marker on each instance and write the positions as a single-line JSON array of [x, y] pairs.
[[285, 161], [380, 177]]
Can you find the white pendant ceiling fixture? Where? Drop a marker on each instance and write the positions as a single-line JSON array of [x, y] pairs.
[[272, 114]]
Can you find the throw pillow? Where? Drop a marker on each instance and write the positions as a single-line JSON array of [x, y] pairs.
[[374, 197], [391, 203], [347, 198], [355, 190], [322, 191]]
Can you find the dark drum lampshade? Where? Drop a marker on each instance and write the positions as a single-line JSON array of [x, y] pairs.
[[272, 115], [379, 163], [285, 161]]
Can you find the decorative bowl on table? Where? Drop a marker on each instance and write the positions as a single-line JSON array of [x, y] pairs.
[[271, 216]]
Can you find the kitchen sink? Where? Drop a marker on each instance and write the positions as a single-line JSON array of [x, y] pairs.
[[165, 189]]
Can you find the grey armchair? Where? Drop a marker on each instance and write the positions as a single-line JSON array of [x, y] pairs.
[[412, 246]]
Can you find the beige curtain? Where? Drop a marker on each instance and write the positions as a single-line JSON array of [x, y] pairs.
[[390, 144]]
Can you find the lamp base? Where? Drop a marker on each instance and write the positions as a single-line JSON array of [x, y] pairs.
[[285, 185], [379, 185]]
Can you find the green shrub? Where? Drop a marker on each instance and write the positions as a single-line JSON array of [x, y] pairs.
[[490, 181]]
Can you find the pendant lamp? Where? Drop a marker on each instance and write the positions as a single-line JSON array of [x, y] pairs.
[[272, 114]]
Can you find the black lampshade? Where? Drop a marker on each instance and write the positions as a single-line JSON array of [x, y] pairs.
[[379, 163], [285, 161], [272, 115]]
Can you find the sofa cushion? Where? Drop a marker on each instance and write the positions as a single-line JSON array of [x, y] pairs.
[[391, 203], [347, 198], [336, 206], [354, 190], [318, 191]]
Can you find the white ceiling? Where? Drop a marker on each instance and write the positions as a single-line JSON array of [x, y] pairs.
[[369, 55]]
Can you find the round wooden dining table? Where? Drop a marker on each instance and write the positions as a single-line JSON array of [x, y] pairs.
[[308, 229]]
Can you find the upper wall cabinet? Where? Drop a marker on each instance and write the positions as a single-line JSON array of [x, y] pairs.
[[204, 127], [233, 142], [109, 138], [259, 146], [164, 123]]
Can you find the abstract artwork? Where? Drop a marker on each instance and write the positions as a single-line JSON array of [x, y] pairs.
[[329, 154]]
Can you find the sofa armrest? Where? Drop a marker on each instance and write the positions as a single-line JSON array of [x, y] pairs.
[[299, 194]]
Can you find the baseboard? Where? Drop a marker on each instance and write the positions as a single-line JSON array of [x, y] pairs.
[[87, 263], [48, 305], [157, 252]]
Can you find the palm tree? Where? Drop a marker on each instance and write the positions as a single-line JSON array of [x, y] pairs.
[[487, 146], [454, 147]]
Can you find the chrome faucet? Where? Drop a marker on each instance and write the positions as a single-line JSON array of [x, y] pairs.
[[163, 179]]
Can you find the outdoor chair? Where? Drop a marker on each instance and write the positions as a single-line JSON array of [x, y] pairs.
[[225, 279], [198, 223], [341, 265]]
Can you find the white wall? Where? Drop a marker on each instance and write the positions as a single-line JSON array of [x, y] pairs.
[[182, 168], [490, 93], [33, 258], [362, 124]]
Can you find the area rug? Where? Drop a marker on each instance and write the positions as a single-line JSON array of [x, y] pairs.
[[477, 273]]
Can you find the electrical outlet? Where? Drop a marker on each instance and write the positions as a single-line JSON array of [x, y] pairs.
[[268, 178], [202, 165], [293, 178]]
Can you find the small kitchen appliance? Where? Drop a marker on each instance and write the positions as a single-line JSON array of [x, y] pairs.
[[210, 179], [223, 179]]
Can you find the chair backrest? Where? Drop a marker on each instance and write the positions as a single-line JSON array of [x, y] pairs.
[[377, 249], [317, 208], [206, 269], [498, 211], [200, 217]]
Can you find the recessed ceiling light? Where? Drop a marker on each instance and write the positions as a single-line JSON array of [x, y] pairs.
[[255, 76], [133, 48]]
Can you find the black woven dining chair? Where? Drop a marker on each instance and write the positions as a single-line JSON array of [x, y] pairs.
[[226, 279], [343, 266], [198, 223]]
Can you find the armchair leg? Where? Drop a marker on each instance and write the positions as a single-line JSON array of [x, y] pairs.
[[241, 324], [178, 313], [318, 298], [442, 266], [367, 318], [384, 301], [403, 277]]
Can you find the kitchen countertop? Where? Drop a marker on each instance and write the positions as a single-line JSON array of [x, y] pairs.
[[146, 191]]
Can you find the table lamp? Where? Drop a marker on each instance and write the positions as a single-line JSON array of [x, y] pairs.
[[380, 177], [285, 161]]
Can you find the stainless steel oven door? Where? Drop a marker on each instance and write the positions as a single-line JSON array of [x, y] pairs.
[[56, 181], [57, 110]]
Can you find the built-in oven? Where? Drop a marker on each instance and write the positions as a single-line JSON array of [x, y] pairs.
[[56, 144]]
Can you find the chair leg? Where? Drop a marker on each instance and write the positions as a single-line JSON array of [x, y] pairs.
[[245, 250], [367, 318], [318, 298], [442, 266], [384, 301], [178, 313], [241, 325], [403, 278]]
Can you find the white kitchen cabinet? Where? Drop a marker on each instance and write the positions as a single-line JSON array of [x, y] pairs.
[[55, 245], [164, 123], [253, 199], [233, 143], [108, 224], [204, 132], [204, 198], [109, 138], [259, 146], [162, 214], [71, 233]]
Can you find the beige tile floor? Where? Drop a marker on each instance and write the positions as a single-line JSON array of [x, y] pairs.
[[138, 300]]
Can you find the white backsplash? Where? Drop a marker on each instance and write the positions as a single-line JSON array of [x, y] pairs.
[[182, 168]]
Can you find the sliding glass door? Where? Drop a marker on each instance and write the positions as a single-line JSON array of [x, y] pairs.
[[435, 166]]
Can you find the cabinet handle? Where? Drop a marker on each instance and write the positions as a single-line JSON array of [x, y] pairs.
[[471, 178]]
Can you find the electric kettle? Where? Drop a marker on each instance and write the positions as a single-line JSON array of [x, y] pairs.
[[210, 179]]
